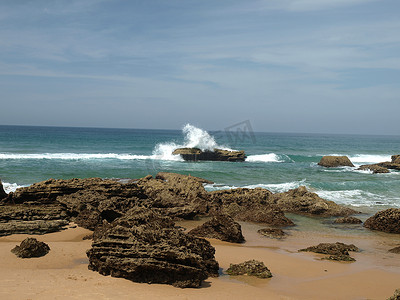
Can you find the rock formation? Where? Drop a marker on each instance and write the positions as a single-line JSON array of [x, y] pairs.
[[3, 194], [387, 220], [196, 154], [375, 168], [383, 167], [144, 246], [347, 220], [221, 227], [274, 233], [250, 268], [395, 250], [31, 247], [396, 295], [336, 251], [301, 201], [335, 161]]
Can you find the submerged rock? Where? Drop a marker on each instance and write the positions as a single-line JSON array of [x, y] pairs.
[[196, 154], [144, 246], [302, 201], [250, 268], [336, 251], [387, 221], [274, 233], [221, 227], [252, 205], [31, 247], [348, 220], [335, 161]]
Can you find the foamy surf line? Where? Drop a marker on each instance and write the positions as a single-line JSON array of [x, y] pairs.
[[365, 158], [84, 156], [11, 187], [268, 157]]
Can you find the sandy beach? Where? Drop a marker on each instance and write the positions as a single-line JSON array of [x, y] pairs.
[[63, 273]]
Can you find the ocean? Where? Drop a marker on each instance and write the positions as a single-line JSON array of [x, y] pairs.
[[276, 161]]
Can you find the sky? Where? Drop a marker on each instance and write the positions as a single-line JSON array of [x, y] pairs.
[[314, 66]]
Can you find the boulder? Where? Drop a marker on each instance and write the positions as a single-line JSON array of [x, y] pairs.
[[221, 227], [301, 201], [348, 220], [252, 205], [375, 168], [395, 250], [274, 233], [196, 154], [387, 221], [250, 268], [335, 161], [3, 194], [144, 246], [31, 247], [336, 251], [396, 295]]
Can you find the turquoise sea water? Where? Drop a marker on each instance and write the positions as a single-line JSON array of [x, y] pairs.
[[276, 161]]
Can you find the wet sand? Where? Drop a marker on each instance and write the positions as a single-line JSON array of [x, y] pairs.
[[63, 273]]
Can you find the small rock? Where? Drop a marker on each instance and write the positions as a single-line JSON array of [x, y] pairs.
[[376, 169], [347, 220], [250, 268], [31, 247], [337, 251], [396, 295], [395, 250], [274, 233], [387, 221]]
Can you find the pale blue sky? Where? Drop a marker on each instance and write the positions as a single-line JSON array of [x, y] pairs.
[[330, 66]]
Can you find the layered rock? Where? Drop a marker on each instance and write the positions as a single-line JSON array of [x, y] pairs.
[[31, 247], [301, 201], [221, 227], [375, 168], [336, 251], [250, 268], [348, 220], [387, 220], [144, 246], [196, 154], [167, 176], [335, 161], [3, 194], [251, 205]]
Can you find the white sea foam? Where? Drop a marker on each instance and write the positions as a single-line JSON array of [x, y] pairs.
[[268, 157], [71, 156], [273, 187], [366, 158], [11, 187]]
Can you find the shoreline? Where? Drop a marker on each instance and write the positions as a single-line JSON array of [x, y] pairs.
[[63, 273]]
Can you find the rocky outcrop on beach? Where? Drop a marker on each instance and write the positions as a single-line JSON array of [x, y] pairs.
[[221, 227], [383, 167], [347, 220], [396, 295], [3, 194], [335, 161], [144, 246], [273, 233], [196, 154], [31, 247], [387, 221], [167, 176], [251, 205], [302, 201], [336, 251], [250, 268]]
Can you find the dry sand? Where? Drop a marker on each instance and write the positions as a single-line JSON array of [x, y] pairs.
[[63, 273]]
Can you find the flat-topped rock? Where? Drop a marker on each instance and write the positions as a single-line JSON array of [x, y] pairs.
[[375, 168], [335, 161], [387, 221], [196, 154], [336, 251]]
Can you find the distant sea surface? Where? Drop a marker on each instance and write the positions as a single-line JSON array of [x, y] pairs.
[[276, 161]]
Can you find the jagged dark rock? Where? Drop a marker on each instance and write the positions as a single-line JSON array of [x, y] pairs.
[[144, 246], [251, 205], [250, 268], [221, 227], [396, 295], [3, 193], [31, 247], [395, 250], [348, 220], [336, 251], [196, 154], [274, 233], [335, 161], [387, 221], [301, 201], [375, 168]]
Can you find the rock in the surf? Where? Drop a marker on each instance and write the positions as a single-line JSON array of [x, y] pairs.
[[250, 268], [3, 193], [335, 161], [144, 246], [375, 168], [196, 154], [387, 221], [31, 247], [221, 227], [347, 220]]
